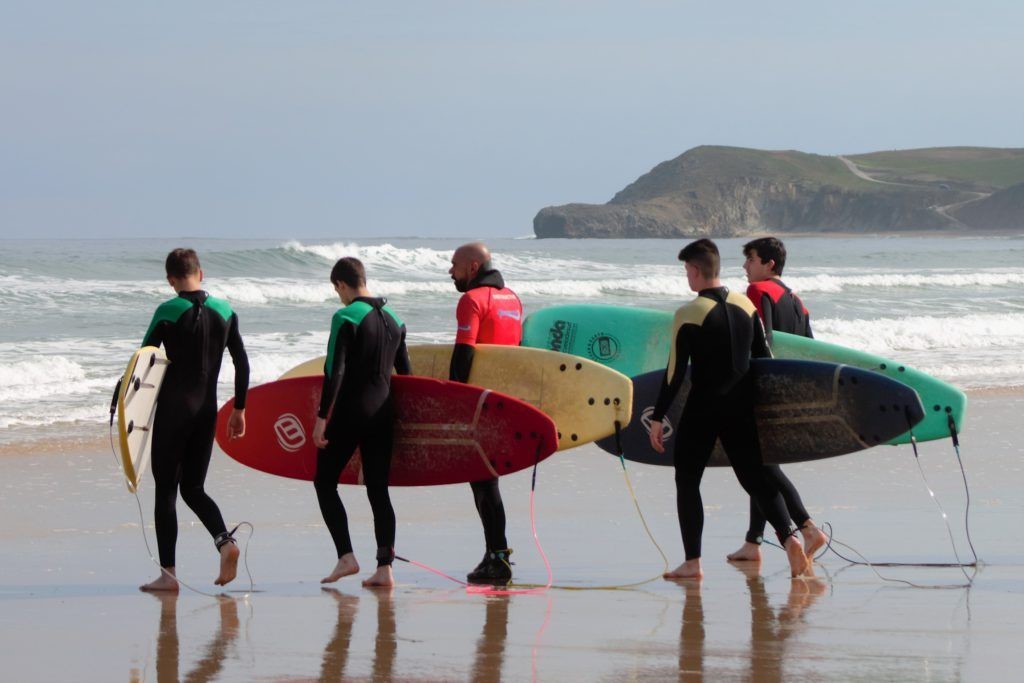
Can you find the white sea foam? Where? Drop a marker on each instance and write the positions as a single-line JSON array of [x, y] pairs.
[[37, 378], [576, 281], [382, 256], [922, 333], [832, 283], [435, 263], [93, 414]]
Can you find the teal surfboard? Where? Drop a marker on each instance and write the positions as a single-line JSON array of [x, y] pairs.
[[636, 340], [630, 340]]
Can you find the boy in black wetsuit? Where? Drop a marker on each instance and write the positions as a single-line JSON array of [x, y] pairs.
[[780, 310], [194, 328], [717, 333], [367, 341]]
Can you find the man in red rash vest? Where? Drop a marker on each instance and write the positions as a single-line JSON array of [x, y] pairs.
[[781, 310], [488, 313]]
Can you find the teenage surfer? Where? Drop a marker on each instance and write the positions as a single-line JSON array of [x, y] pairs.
[[488, 313], [780, 310], [367, 340], [716, 333], [194, 329]]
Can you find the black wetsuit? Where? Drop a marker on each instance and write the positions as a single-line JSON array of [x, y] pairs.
[[717, 333], [782, 311], [367, 341], [194, 329]]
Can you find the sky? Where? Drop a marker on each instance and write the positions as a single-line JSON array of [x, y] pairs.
[[335, 119]]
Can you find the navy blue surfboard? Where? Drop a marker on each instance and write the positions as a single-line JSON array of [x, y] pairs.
[[806, 410]]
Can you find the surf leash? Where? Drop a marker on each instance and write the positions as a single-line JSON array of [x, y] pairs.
[[145, 538], [636, 504], [639, 512], [483, 589], [476, 589], [959, 564]]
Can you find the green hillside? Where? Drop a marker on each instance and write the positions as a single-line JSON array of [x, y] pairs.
[[706, 167], [975, 168], [731, 191]]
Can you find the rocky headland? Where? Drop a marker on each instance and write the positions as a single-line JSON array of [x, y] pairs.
[[714, 191]]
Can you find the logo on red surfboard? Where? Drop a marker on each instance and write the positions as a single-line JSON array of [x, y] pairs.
[[289, 432]]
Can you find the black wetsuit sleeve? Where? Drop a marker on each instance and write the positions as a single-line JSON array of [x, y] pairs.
[[403, 366], [240, 359], [768, 315], [332, 382], [807, 328], [462, 363], [155, 336], [759, 344], [671, 385]]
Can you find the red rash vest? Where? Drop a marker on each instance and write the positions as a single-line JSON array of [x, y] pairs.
[[489, 315]]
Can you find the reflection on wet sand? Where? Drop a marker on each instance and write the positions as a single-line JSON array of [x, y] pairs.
[[167, 647], [770, 629], [385, 645], [336, 652], [691, 635], [490, 646]]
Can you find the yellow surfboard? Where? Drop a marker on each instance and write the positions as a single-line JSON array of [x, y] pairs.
[[136, 410], [584, 398]]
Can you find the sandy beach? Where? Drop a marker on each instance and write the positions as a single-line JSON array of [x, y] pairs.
[[74, 555]]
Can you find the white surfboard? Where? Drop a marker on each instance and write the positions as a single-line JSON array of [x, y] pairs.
[[136, 410]]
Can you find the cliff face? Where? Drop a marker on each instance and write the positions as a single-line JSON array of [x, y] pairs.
[[723, 192], [1003, 210]]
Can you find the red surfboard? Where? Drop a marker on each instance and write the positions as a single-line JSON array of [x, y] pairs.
[[445, 432]]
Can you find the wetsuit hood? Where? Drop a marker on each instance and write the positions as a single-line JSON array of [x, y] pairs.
[[487, 278]]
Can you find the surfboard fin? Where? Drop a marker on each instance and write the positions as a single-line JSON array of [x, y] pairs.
[[113, 400]]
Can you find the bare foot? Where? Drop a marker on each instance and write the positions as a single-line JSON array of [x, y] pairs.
[[165, 582], [381, 577], [347, 566], [814, 539], [748, 552], [228, 564], [798, 563], [690, 569]]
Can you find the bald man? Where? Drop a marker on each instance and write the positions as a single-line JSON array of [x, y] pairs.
[[488, 313]]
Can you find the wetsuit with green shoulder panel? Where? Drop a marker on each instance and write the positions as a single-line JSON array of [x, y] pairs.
[[194, 329]]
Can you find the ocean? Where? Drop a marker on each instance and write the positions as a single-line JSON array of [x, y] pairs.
[[76, 309]]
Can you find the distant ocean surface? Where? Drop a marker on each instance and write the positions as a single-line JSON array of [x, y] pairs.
[[74, 310]]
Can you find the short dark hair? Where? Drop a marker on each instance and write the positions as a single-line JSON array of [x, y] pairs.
[[768, 248], [349, 270], [704, 255], [182, 263]]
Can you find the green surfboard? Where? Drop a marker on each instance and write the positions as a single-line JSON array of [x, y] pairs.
[[630, 340], [636, 340]]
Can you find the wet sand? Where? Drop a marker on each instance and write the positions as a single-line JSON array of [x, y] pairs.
[[73, 556]]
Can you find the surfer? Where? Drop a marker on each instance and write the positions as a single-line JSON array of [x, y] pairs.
[[487, 313], [194, 329], [367, 340], [780, 309], [717, 333]]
